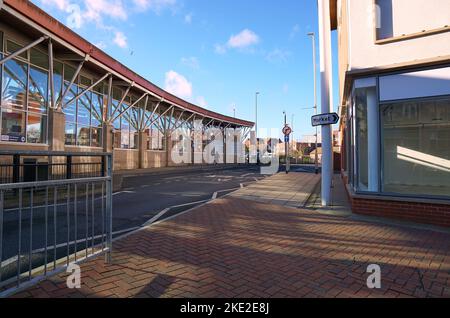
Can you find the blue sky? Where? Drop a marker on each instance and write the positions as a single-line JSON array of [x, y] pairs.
[[213, 53]]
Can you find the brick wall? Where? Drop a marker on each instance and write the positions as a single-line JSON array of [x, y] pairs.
[[426, 213]]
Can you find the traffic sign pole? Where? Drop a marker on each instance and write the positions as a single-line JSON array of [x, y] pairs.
[[287, 131]]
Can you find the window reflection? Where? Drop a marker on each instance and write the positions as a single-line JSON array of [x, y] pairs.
[[22, 122], [416, 139]]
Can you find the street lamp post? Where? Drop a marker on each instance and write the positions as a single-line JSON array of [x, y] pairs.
[[256, 127], [256, 113], [313, 37]]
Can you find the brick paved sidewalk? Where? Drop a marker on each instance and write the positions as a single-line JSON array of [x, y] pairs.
[[291, 189], [238, 248]]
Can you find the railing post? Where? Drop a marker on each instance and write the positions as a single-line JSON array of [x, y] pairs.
[[103, 165], [16, 168], [69, 167], [108, 257]]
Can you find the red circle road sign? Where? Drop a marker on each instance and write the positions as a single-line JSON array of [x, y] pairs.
[[287, 130]]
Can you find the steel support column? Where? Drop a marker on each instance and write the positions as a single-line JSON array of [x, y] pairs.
[[77, 97], [24, 49], [74, 77]]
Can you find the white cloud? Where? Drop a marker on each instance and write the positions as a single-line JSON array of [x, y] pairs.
[[188, 18], [244, 39], [278, 55], [201, 101], [95, 10], [191, 62], [294, 31], [220, 49], [101, 45], [81, 12], [60, 4], [120, 40], [155, 5], [178, 85]]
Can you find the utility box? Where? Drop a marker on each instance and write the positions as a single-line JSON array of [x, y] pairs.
[[34, 170]]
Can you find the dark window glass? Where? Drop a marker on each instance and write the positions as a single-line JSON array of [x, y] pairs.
[[12, 47], [13, 126], [70, 134], [69, 72], [38, 58]]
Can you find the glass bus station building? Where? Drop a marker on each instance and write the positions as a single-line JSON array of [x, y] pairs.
[[61, 93]]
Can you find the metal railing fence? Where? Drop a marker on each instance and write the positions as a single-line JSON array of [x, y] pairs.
[[26, 166], [47, 225]]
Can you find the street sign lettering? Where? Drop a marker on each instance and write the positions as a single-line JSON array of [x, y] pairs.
[[286, 138], [325, 119]]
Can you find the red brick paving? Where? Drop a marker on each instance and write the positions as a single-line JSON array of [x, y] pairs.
[[239, 248]]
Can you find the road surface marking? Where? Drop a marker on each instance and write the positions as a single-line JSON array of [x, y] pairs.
[[156, 217], [186, 204], [116, 193]]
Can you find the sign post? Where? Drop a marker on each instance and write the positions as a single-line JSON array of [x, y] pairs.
[[287, 131]]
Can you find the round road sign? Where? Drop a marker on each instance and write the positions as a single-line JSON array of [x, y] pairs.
[[287, 130]]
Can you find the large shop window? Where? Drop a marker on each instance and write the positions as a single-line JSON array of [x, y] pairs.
[[84, 117], [416, 147], [24, 96]]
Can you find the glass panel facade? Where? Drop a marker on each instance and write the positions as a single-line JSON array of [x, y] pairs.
[[411, 142], [14, 82], [38, 91], [125, 129], [24, 97], [36, 128], [416, 152], [84, 117]]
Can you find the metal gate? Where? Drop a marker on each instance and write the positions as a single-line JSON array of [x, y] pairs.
[[55, 210]]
